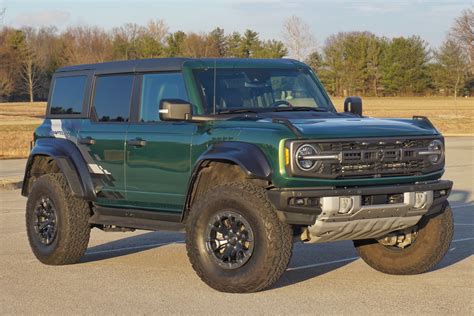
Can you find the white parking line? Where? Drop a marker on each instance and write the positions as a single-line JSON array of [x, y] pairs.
[[462, 205], [463, 224], [321, 264], [134, 247], [354, 258], [463, 239]]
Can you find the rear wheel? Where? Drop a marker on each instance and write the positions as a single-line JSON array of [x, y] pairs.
[[412, 251], [235, 241], [56, 221]]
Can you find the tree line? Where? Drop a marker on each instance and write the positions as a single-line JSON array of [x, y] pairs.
[[348, 63]]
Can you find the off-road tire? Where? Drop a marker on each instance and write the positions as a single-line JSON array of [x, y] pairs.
[[273, 239], [433, 239], [73, 228]]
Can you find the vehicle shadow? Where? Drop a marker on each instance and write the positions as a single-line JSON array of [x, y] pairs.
[[131, 245], [308, 261], [314, 263]]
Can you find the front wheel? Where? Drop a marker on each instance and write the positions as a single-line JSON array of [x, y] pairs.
[[412, 251], [235, 241]]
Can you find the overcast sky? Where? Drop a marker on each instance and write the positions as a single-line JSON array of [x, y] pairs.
[[429, 19]]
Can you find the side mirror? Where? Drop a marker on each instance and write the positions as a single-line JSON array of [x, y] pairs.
[[175, 110], [353, 105]]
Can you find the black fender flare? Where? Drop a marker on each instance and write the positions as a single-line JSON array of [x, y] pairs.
[[69, 160], [248, 157]]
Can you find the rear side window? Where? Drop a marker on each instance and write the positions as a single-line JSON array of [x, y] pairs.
[[68, 95], [112, 98]]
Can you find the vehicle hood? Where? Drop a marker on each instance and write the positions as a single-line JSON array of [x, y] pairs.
[[341, 126]]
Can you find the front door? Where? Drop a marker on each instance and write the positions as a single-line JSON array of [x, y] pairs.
[[102, 137], [158, 162]]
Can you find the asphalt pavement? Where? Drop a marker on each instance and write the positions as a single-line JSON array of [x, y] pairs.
[[148, 272]]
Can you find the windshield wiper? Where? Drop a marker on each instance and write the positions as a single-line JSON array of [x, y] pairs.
[[240, 110], [298, 108]]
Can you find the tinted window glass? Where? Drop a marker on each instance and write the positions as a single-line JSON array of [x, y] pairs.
[[112, 98], [263, 89], [68, 95], [156, 87]]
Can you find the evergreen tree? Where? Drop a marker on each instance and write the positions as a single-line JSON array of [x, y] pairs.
[[404, 66], [174, 43]]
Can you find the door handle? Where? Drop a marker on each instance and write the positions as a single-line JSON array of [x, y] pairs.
[[137, 142], [87, 141]]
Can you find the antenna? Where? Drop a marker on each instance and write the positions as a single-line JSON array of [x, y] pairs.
[[215, 79]]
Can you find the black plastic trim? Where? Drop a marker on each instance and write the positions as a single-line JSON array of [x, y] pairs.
[[136, 219], [288, 124], [248, 156], [70, 161], [280, 197]]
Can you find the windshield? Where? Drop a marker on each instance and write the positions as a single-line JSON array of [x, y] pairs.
[[259, 89]]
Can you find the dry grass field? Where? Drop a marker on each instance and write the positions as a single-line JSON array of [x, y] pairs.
[[18, 120], [449, 117], [17, 123]]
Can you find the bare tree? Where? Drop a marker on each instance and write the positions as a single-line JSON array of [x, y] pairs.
[[6, 79], [30, 73], [125, 40], [463, 32], [86, 44], [157, 29], [298, 38], [199, 45]]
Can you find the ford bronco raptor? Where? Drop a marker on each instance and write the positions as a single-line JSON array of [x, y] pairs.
[[245, 155]]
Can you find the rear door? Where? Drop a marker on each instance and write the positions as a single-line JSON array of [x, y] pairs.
[[157, 152], [103, 136]]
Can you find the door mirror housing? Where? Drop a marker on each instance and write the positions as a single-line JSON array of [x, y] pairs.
[[353, 105], [175, 110]]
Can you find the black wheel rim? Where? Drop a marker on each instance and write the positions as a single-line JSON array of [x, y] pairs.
[[230, 240], [45, 221]]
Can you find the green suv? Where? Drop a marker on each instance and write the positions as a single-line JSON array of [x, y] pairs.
[[245, 155]]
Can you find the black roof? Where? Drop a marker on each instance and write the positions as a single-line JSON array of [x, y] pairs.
[[166, 64], [130, 65]]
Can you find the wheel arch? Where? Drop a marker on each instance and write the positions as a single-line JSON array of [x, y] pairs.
[[227, 162], [53, 154]]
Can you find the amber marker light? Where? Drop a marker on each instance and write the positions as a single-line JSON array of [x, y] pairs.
[[287, 156]]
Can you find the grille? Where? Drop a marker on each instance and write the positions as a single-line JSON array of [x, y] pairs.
[[372, 158]]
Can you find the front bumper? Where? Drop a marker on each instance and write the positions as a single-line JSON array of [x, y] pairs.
[[359, 213]]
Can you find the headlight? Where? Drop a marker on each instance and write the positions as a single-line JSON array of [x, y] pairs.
[[435, 152], [304, 152]]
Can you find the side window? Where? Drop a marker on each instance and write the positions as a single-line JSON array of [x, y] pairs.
[[68, 95], [112, 98], [156, 87]]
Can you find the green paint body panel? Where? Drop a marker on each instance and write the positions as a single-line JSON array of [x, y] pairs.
[[156, 176], [158, 173]]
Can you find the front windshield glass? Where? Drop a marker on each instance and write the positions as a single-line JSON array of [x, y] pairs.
[[259, 89]]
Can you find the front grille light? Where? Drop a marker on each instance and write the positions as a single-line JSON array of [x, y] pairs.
[[435, 152], [303, 157]]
